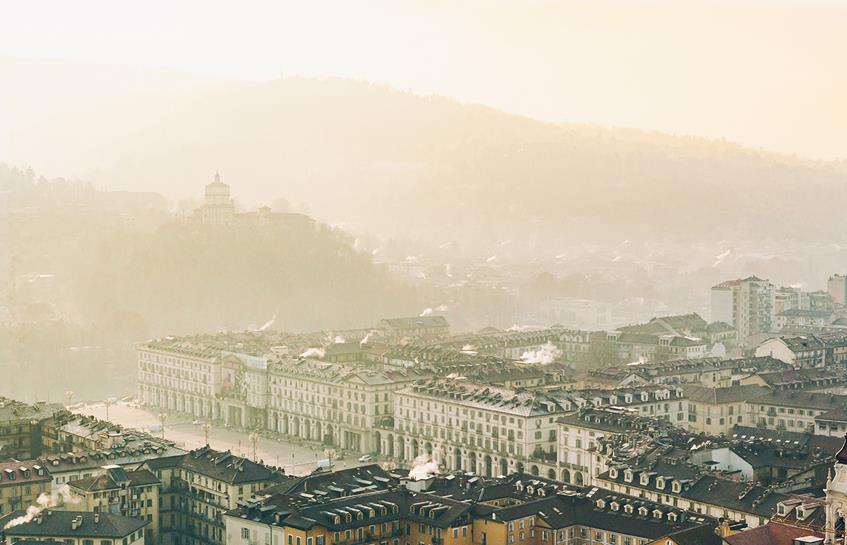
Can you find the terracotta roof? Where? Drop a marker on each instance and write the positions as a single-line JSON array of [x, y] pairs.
[[772, 533]]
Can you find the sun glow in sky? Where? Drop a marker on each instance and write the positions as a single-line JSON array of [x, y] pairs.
[[768, 74]]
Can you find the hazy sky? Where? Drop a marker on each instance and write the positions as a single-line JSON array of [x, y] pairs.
[[767, 73]]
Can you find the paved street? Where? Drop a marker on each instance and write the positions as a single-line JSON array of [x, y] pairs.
[[295, 459]]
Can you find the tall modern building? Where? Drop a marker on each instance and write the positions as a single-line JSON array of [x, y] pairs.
[[837, 288], [746, 303]]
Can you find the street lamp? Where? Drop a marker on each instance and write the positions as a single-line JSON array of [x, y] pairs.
[[162, 418], [108, 403], [253, 438], [206, 427], [330, 454]]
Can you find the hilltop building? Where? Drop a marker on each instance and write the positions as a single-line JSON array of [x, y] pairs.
[[218, 209]]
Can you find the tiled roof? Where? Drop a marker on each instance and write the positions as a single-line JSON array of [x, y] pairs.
[[731, 394], [58, 524], [772, 533]]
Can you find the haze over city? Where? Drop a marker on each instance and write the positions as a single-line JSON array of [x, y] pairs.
[[445, 273]]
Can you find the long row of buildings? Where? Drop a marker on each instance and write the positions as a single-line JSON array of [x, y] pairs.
[[649, 495], [474, 412]]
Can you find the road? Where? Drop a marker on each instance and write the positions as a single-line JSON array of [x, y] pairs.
[[296, 459]]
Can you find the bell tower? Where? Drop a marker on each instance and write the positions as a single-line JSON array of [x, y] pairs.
[[836, 498]]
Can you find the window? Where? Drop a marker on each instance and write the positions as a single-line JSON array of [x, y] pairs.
[[245, 533]]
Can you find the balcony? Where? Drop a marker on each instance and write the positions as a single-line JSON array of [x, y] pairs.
[[542, 456]]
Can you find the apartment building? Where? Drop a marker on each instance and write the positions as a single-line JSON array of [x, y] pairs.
[[349, 407], [21, 427], [836, 286], [807, 350], [21, 482], [673, 483], [133, 449], [746, 303], [794, 410], [206, 483], [635, 346], [116, 491], [181, 376], [345, 405], [518, 510], [716, 410], [417, 326], [467, 426], [74, 528], [586, 438]]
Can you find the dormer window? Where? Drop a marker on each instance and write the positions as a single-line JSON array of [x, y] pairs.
[[780, 508], [628, 398], [801, 513], [645, 478], [660, 483], [645, 396], [601, 504], [519, 486], [672, 516], [530, 490], [614, 506], [627, 475], [657, 513], [677, 486], [642, 511], [613, 473], [628, 508]]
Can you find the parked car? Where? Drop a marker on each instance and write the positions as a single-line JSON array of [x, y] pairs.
[[366, 458]]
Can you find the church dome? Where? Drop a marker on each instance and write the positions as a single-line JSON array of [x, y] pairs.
[[217, 188], [841, 456]]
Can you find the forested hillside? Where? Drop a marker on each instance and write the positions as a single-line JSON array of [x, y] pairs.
[[429, 168]]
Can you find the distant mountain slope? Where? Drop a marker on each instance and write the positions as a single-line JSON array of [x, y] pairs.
[[433, 169]]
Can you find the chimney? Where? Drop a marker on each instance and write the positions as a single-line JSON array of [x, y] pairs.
[[723, 530]]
